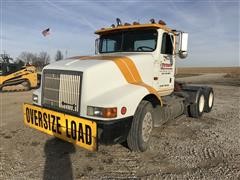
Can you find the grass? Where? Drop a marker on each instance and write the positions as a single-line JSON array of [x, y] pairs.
[[207, 70], [186, 75]]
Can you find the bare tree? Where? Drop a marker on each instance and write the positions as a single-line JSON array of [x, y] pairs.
[[38, 60], [5, 58], [59, 55], [27, 57], [20, 63], [44, 58]]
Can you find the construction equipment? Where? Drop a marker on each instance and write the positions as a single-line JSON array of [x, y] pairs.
[[16, 77], [121, 93]]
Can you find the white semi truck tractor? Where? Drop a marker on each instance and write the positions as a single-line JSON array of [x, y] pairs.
[[119, 94]]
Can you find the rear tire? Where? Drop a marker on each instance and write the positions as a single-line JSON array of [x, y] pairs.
[[142, 125], [197, 108], [209, 99]]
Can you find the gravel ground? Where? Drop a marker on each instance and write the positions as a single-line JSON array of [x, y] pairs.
[[186, 148]]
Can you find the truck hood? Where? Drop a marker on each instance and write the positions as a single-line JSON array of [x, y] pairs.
[[73, 64], [105, 78], [83, 63]]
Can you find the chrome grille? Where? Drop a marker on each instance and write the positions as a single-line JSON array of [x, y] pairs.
[[62, 90]]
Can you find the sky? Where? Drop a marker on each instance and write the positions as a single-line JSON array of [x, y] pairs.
[[213, 26]]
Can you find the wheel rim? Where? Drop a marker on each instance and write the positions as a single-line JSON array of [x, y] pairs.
[[147, 126], [201, 103], [210, 100]]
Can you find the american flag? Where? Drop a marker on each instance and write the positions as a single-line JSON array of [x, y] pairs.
[[46, 32]]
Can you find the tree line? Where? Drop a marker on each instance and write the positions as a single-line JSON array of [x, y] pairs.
[[38, 60]]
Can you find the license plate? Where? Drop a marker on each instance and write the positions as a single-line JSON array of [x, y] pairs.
[[73, 129]]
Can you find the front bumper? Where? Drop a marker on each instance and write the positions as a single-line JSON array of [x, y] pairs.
[[86, 133], [114, 131]]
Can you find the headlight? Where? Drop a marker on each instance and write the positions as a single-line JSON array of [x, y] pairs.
[[35, 98], [102, 112]]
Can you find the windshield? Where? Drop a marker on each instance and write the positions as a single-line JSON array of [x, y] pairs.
[[129, 41]]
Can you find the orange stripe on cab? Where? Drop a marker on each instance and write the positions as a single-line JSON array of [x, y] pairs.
[[127, 68]]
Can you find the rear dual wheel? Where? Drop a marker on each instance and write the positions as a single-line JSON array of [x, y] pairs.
[[203, 102], [209, 99], [197, 108]]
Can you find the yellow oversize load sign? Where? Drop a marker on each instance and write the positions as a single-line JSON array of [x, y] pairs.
[[73, 129]]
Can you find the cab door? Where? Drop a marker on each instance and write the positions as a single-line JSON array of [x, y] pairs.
[[167, 64]]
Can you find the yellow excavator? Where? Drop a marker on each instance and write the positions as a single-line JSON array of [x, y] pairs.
[[16, 77]]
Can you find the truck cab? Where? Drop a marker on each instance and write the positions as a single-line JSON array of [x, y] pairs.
[[120, 93], [153, 48]]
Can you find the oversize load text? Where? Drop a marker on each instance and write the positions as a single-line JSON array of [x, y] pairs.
[[51, 122]]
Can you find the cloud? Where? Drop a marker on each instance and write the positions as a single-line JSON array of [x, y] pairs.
[[213, 26], [71, 15]]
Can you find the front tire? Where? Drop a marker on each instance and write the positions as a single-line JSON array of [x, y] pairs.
[[140, 133]]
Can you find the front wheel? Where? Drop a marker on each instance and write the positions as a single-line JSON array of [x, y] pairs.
[[142, 125]]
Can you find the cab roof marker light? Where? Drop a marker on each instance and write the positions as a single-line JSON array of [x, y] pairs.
[[119, 22], [123, 110], [152, 21], [162, 22], [136, 23]]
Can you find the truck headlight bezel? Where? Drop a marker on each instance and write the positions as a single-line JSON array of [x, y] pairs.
[[102, 112]]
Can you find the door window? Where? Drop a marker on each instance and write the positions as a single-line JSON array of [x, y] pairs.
[[167, 44]]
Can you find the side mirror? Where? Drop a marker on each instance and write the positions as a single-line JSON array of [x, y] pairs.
[[183, 42], [97, 46]]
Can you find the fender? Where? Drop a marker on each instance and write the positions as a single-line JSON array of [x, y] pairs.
[[131, 95]]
